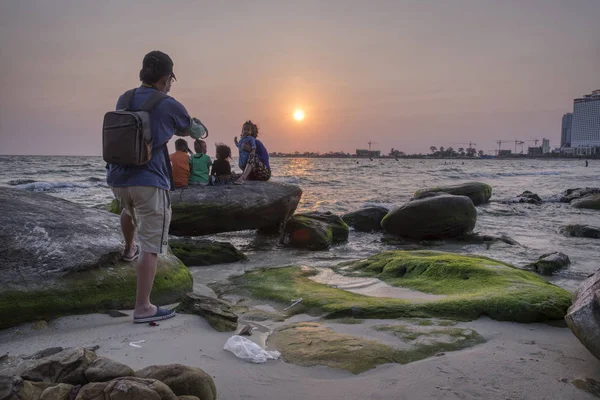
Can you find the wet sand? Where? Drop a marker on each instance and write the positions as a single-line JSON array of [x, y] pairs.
[[518, 361]]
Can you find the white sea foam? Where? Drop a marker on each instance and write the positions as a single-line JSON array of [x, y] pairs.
[[50, 186]]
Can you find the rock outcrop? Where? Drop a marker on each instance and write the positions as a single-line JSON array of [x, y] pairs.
[[78, 373], [526, 197], [439, 217], [315, 231], [218, 313], [59, 257], [583, 316], [197, 253], [591, 201], [204, 210], [366, 219], [547, 264], [582, 231], [478, 192], [573, 194]]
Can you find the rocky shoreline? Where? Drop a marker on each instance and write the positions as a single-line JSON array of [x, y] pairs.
[[61, 258]]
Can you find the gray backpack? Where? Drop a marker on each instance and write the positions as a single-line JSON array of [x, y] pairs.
[[126, 135]]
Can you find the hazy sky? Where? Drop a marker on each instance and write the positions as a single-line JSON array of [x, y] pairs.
[[405, 74]]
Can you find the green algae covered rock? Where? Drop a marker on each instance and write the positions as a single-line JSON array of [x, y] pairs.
[[59, 258], [315, 231], [195, 253], [478, 192], [467, 288], [438, 217], [310, 344]]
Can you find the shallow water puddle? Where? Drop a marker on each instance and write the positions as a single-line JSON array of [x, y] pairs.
[[370, 287]]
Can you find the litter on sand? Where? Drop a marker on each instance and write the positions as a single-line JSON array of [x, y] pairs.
[[248, 350], [294, 302], [137, 343]]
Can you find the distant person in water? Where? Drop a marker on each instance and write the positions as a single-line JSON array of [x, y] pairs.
[[586, 163], [254, 157], [180, 161], [220, 173], [199, 164]]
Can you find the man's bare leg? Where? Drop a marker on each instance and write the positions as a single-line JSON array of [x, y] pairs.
[[128, 229], [146, 270]]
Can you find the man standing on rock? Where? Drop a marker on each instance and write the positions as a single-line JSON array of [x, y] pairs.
[[143, 190]]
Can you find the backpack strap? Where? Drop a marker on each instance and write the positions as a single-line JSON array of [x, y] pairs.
[[153, 100], [128, 98]]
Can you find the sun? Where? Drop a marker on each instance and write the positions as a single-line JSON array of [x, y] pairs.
[[298, 115]]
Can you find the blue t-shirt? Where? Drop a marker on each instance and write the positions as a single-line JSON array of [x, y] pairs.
[[169, 117], [243, 153], [262, 153]]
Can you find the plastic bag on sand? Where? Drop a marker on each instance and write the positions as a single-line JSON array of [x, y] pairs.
[[248, 350]]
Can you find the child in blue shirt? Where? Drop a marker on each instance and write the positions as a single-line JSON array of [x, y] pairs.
[[246, 145]]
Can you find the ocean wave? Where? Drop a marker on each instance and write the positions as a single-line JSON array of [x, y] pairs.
[[286, 179], [51, 186], [16, 182], [76, 165], [511, 174]]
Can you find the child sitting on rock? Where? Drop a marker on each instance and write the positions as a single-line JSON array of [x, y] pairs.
[[221, 169], [180, 161], [199, 164]]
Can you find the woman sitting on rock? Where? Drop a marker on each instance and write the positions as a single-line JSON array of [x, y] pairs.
[[254, 157]]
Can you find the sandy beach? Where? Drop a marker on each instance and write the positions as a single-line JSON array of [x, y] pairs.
[[517, 361]]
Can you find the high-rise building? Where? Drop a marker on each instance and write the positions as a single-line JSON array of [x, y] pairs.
[[565, 132], [585, 126], [545, 146]]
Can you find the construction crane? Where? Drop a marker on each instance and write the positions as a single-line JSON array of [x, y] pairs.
[[499, 146], [370, 143], [519, 142], [471, 144]]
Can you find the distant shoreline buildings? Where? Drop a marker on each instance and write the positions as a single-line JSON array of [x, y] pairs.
[[580, 131]]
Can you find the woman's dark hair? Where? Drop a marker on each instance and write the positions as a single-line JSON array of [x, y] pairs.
[[253, 128], [223, 151]]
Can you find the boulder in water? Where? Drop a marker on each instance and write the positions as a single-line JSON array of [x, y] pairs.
[[438, 217], [62, 258], [591, 201], [196, 253], [549, 263], [572, 194], [366, 219], [527, 197], [582, 231], [478, 192], [583, 317], [204, 210], [315, 231]]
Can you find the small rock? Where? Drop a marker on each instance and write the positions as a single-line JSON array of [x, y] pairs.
[[583, 231], [103, 369], [218, 313], [526, 197], [366, 219], [547, 264], [39, 325], [182, 380]]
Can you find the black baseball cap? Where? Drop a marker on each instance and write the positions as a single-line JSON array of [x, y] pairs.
[[160, 62]]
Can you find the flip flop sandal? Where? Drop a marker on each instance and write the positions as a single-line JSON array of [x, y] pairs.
[[161, 313], [134, 256]]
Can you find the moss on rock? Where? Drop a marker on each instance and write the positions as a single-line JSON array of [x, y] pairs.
[[105, 288], [315, 231], [310, 344], [473, 286], [204, 252]]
